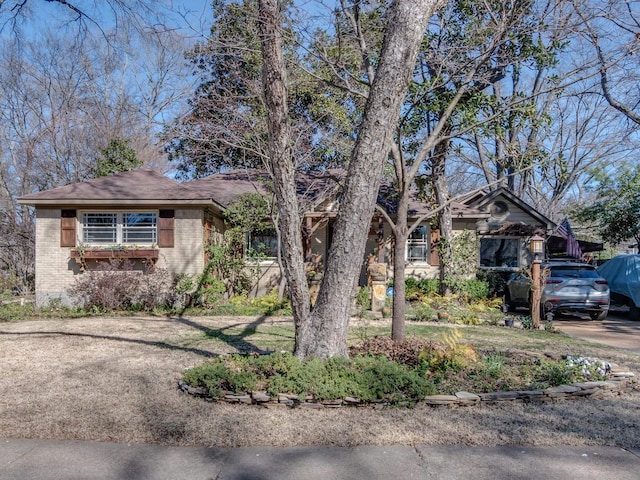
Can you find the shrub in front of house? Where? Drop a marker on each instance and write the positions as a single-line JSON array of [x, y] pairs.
[[474, 289], [418, 289], [116, 285], [496, 281]]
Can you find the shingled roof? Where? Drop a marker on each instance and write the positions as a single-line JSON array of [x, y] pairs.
[[312, 188], [148, 187], [135, 186]]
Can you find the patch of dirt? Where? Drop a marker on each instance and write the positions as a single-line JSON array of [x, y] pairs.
[[115, 379]]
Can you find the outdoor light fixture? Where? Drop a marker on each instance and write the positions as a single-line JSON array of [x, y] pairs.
[[536, 245]]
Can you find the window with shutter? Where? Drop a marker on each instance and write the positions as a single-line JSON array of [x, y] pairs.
[[166, 228], [434, 256], [68, 228]]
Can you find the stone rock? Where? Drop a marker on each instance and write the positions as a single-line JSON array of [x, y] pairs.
[[586, 392], [532, 396], [289, 396], [561, 391], [608, 385], [233, 398], [498, 396], [622, 374], [466, 397], [260, 397], [441, 399]]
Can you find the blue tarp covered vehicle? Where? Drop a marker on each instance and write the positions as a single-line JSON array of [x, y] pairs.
[[623, 274]]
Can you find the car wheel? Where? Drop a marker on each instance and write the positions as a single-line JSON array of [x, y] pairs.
[[634, 312], [599, 315]]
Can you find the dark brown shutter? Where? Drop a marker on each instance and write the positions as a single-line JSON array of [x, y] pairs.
[[67, 228], [165, 228], [434, 244]]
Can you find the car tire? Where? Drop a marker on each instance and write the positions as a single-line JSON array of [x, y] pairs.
[[634, 312], [599, 315]]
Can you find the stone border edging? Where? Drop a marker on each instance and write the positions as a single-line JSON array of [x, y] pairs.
[[621, 380]]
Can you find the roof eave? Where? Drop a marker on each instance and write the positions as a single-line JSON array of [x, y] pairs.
[[115, 202]]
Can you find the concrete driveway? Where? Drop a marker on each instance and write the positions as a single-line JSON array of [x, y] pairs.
[[616, 330]]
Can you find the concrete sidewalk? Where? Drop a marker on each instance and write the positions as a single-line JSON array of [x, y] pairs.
[[72, 460]]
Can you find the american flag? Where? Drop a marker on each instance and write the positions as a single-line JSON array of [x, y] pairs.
[[573, 247]]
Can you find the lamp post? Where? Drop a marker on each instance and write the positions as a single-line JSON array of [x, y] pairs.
[[536, 246]]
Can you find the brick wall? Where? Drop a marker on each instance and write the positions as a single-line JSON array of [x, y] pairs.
[[56, 271]]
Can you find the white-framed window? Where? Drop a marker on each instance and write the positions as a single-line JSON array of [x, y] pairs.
[[264, 244], [418, 244], [119, 228], [499, 252]]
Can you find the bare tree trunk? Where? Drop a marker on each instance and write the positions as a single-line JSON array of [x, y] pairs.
[[282, 166], [330, 318], [441, 191], [399, 253]]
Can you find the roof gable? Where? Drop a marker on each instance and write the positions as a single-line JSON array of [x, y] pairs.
[[491, 203]]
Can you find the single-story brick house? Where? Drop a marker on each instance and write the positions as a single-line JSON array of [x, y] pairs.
[[147, 217]]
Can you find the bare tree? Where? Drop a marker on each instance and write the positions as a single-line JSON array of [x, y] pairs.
[[79, 19], [612, 30], [61, 104], [324, 331]]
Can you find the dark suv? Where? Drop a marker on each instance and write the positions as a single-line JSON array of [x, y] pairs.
[[568, 287]]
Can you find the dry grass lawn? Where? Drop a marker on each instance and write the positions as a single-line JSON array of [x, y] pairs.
[[114, 379]]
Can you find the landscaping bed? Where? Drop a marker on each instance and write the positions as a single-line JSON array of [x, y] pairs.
[[381, 372]]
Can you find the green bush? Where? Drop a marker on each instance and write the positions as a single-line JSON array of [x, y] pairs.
[[417, 289], [15, 311], [241, 305], [474, 289], [422, 313], [225, 374], [497, 281], [370, 378], [363, 298], [380, 378]]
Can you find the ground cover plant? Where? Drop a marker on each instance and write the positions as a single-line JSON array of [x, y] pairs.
[[394, 372]]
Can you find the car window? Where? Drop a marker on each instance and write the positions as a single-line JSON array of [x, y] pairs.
[[572, 271]]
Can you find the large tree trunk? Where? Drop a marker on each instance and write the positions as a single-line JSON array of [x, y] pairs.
[[406, 25], [324, 333], [282, 165]]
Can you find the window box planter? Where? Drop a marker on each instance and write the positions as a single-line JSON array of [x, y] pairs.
[[81, 256], [150, 253]]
